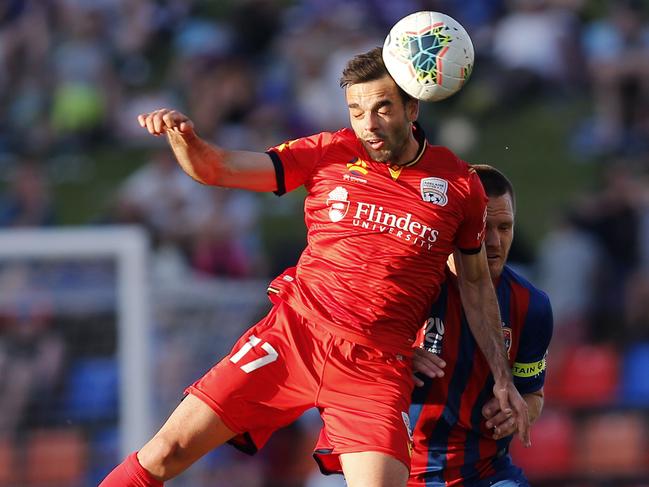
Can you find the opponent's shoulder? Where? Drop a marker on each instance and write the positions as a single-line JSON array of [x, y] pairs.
[[536, 295]]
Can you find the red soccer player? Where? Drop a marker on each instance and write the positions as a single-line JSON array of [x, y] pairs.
[[383, 211]]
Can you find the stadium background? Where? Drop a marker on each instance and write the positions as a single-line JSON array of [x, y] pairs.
[[559, 100]]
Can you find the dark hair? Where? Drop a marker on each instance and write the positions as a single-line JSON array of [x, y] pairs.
[[494, 182], [368, 66]]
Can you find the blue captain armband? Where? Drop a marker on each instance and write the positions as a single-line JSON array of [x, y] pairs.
[[528, 370]]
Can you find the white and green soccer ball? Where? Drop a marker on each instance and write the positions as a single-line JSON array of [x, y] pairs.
[[429, 55]]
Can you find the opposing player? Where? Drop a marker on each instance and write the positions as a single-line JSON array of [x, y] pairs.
[[461, 435], [383, 211]]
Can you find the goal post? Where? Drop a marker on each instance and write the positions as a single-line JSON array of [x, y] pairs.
[[129, 247]]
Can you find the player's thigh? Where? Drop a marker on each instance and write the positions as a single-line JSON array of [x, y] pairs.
[[267, 379], [364, 405], [192, 430], [373, 469]]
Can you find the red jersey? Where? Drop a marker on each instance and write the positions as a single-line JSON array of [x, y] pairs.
[[377, 236]]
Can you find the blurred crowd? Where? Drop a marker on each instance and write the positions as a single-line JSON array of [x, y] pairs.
[[252, 73]]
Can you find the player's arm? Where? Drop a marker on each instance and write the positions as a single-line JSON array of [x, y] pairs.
[[483, 315], [503, 425], [529, 368], [207, 163]]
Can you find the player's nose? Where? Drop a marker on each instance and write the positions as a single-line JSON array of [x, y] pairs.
[[492, 239], [370, 122]]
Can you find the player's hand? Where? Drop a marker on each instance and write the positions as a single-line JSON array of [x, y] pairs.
[[164, 120], [501, 424], [428, 364], [513, 405]]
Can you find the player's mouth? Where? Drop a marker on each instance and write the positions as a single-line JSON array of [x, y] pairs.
[[376, 144]]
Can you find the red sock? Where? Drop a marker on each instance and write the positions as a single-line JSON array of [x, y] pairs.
[[130, 473]]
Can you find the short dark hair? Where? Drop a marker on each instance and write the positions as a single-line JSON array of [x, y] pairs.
[[368, 66], [494, 182]]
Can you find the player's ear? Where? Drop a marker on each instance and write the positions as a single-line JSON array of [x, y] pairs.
[[412, 110]]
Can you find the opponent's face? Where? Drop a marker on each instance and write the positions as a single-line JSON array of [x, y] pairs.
[[380, 119], [499, 232]]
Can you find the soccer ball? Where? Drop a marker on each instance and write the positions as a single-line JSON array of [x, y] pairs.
[[429, 55]]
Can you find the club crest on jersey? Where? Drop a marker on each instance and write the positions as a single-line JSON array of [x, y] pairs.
[[338, 204], [507, 336], [433, 190]]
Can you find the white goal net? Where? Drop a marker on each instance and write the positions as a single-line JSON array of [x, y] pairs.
[[95, 352]]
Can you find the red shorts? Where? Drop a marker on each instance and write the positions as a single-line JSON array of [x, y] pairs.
[[285, 365]]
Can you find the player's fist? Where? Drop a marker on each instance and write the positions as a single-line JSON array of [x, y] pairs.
[[164, 120], [500, 423], [512, 404]]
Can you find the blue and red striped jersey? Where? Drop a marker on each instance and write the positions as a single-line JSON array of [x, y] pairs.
[[452, 446]]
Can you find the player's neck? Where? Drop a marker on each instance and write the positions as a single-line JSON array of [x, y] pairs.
[[414, 148]]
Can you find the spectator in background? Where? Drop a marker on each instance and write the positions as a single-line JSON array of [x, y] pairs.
[[225, 241], [636, 308], [208, 230], [25, 39], [316, 53], [566, 267], [31, 362], [160, 197], [534, 46], [27, 202], [612, 217], [86, 87], [617, 49]]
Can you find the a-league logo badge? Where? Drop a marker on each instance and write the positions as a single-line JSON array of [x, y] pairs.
[[433, 190], [338, 204]]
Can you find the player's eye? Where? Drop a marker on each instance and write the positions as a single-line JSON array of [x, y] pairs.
[[357, 115]]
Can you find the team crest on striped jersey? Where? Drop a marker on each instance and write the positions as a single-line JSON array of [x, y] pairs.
[[433, 190]]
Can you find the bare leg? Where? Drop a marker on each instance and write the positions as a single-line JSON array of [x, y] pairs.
[[373, 469], [191, 431]]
